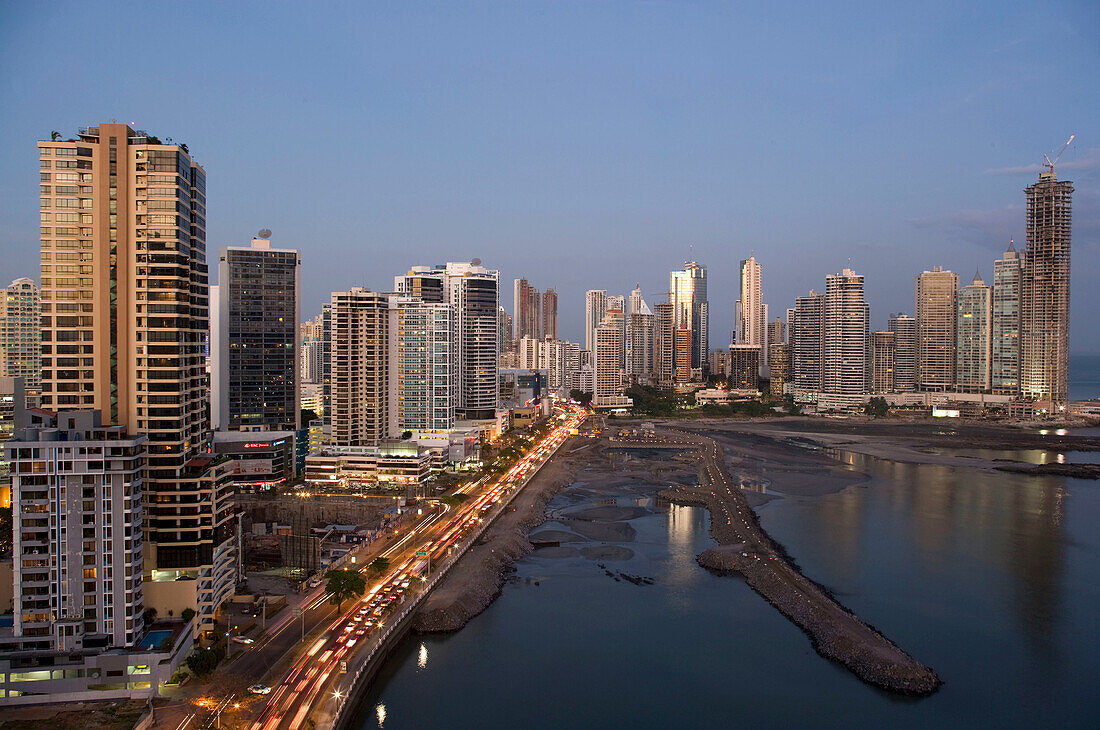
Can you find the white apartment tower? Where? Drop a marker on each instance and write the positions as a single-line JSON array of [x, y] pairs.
[[936, 320], [1007, 284], [21, 331], [77, 491], [974, 332]]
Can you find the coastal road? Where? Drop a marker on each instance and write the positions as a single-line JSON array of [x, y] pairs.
[[317, 677]]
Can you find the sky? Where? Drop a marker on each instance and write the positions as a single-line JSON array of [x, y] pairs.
[[586, 145]]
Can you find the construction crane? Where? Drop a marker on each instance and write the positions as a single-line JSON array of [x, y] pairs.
[[1050, 164]]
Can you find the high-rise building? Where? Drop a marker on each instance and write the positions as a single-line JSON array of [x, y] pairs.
[[935, 299], [883, 361], [609, 358], [504, 330], [550, 314], [528, 310], [635, 300], [777, 333], [618, 303], [127, 336], [847, 320], [1044, 315], [255, 386], [688, 296], [751, 322], [641, 336], [904, 328], [1007, 284], [974, 328], [664, 344], [361, 407], [21, 327], [423, 335], [311, 361], [779, 359], [807, 333], [472, 290], [744, 366], [595, 304], [682, 351], [78, 547]]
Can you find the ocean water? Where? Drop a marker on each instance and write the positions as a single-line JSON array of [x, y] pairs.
[[991, 579], [1084, 377]]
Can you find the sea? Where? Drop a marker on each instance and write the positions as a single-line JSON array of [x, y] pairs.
[[992, 579]]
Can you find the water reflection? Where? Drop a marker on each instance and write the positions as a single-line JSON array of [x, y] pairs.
[[1012, 523]]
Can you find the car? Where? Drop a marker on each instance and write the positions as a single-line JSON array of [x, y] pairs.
[[242, 640], [348, 628], [361, 630], [315, 583], [259, 689], [247, 610]]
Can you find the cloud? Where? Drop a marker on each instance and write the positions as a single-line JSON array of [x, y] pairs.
[[987, 228], [1090, 160]]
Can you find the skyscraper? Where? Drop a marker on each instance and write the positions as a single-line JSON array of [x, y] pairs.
[[21, 327], [256, 385], [846, 319], [472, 290], [361, 372], [527, 309], [688, 296], [806, 334], [1044, 315], [423, 334], [883, 359], [936, 319], [779, 357], [595, 304], [751, 322], [904, 328], [664, 344], [127, 336], [1007, 274], [609, 358], [641, 336], [550, 314], [974, 332]]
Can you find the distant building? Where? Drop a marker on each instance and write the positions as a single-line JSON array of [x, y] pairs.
[[807, 340], [883, 361], [779, 359], [550, 314], [595, 304], [1044, 316], [936, 320], [609, 357], [682, 349], [846, 320], [904, 328], [973, 373], [21, 332], [664, 344], [527, 306], [1007, 286], [256, 382], [777, 333], [688, 296], [641, 336], [751, 322], [744, 367], [423, 386], [719, 363]]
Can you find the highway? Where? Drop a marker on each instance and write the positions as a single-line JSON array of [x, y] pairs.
[[347, 638]]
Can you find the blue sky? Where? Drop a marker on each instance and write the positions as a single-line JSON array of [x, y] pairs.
[[586, 144]]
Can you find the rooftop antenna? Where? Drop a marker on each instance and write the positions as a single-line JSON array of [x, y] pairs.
[[1048, 163]]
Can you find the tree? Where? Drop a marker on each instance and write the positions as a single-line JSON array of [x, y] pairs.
[[378, 566], [54, 136], [203, 661], [877, 407], [307, 415], [344, 584], [582, 397], [187, 614], [406, 435]]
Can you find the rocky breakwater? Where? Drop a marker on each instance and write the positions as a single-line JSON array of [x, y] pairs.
[[476, 580], [745, 548]]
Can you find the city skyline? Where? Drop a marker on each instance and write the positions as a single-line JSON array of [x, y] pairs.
[[946, 194]]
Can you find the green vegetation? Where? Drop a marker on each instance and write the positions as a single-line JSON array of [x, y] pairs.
[[650, 401], [345, 584], [187, 614], [406, 435], [877, 407], [378, 566], [203, 661], [582, 397], [455, 499], [307, 415]]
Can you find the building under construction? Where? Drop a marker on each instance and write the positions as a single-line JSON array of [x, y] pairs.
[[1044, 320]]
